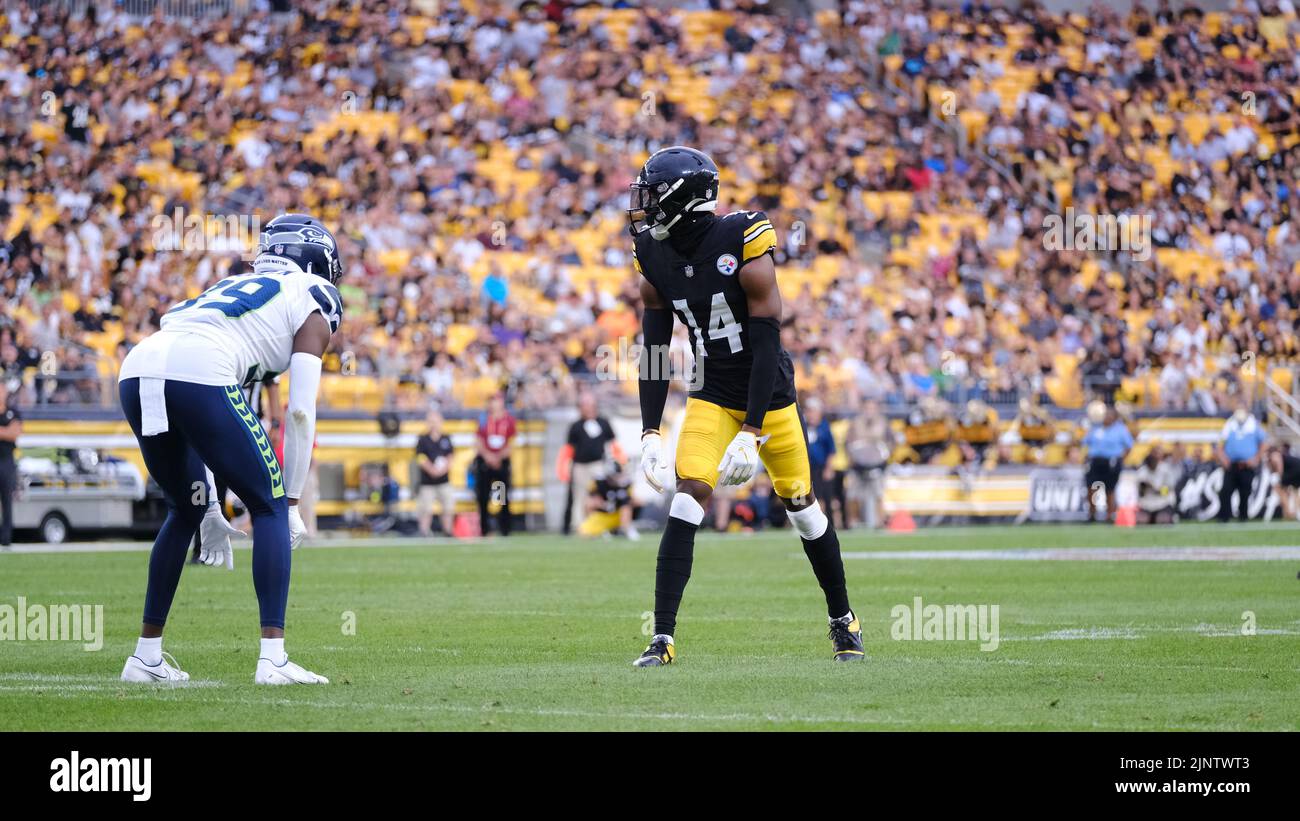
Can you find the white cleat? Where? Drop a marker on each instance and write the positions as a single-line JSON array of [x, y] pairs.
[[164, 671], [288, 673]]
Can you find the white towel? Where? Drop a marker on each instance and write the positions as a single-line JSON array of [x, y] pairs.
[[153, 406]]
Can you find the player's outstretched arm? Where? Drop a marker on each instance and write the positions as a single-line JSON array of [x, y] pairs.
[[656, 336], [309, 346], [758, 279]]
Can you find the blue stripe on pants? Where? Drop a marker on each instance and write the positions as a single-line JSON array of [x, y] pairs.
[[207, 425]]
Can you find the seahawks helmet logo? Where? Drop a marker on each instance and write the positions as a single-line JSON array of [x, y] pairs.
[[306, 248]]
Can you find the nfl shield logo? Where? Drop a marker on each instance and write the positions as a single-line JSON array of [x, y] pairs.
[[690, 270]]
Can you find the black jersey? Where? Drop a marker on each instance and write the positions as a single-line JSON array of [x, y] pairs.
[[613, 493], [704, 292]]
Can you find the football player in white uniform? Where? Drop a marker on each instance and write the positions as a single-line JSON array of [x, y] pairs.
[[180, 391]]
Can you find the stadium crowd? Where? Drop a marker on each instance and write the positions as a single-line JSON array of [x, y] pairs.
[[474, 157]]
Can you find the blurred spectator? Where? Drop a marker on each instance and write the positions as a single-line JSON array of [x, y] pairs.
[[1286, 466], [1239, 448], [608, 502], [583, 453], [1108, 442], [496, 435], [11, 427], [433, 452], [868, 448], [1157, 486], [821, 447]]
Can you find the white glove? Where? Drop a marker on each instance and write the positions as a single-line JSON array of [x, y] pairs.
[[653, 465], [214, 539], [297, 530], [740, 460]]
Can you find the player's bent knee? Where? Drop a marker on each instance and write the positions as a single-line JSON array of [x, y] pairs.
[[801, 502], [696, 489], [686, 508], [810, 521]]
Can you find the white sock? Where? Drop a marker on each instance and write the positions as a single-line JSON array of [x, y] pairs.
[[273, 649], [149, 650], [848, 615], [665, 637]]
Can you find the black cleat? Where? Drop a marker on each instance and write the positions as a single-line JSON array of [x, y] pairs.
[[846, 638], [659, 653]]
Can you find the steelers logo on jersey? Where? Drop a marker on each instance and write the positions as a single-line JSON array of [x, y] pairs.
[[727, 264]]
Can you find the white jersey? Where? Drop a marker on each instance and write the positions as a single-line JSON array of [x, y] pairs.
[[237, 332]]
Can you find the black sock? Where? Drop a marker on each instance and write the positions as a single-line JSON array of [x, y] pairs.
[[676, 551], [824, 554]]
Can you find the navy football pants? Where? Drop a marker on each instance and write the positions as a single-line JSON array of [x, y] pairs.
[[213, 426]]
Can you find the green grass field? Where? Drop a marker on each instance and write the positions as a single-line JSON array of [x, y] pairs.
[[537, 633]]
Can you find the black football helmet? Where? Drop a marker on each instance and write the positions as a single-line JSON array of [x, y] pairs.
[[300, 240], [675, 186]]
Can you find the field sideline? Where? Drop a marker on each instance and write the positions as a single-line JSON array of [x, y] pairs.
[[537, 633]]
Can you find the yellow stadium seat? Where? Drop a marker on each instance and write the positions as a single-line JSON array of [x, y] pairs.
[[394, 261], [459, 336], [1197, 125], [1065, 365], [1282, 377]]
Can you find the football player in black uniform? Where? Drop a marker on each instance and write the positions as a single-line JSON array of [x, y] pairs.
[[717, 275]]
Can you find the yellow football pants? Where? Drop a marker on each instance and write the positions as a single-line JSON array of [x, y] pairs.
[[709, 428]]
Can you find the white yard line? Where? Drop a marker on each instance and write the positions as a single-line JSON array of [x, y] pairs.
[[84, 683], [1142, 632], [1255, 553]]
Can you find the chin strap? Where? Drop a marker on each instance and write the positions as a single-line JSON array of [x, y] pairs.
[[700, 207], [660, 232]]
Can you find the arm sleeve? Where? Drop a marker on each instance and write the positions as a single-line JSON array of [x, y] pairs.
[[300, 421], [656, 336], [765, 342]]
